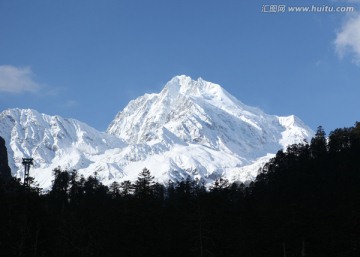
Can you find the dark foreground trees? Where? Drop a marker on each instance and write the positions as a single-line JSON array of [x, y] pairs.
[[305, 202], [309, 196]]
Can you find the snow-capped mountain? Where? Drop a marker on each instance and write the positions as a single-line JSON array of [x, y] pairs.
[[191, 128], [52, 141]]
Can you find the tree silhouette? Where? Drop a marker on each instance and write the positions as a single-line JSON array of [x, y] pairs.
[[144, 185], [304, 202], [318, 144]]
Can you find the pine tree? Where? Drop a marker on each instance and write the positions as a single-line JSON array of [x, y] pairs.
[[126, 188], [219, 185], [114, 190], [76, 190], [318, 144], [5, 171], [61, 184], [144, 185]]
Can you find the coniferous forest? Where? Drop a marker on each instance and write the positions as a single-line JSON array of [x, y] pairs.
[[304, 202]]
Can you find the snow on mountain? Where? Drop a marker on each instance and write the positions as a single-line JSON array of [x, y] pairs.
[[202, 114], [52, 141], [191, 128], [197, 128]]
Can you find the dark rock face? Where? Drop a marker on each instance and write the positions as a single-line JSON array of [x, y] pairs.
[[5, 171]]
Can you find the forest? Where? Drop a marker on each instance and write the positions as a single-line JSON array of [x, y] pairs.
[[304, 202]]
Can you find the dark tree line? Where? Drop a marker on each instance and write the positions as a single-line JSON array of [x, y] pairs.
[[5, 172], [304, 202]]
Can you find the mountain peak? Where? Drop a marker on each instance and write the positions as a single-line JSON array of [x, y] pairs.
[[197, 111], [191, 128], [179, 85], [186, 86], [182, 100]]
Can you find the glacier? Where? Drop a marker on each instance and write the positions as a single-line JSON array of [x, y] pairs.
[[191, 128]]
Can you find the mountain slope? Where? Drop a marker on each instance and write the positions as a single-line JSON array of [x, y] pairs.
[[197, 128], [191, 128], [202, 113], [52, 141]]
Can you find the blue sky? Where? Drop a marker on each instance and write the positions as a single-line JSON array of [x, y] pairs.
[[86, 59]]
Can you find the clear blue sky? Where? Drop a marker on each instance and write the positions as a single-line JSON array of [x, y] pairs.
[[86, 59]]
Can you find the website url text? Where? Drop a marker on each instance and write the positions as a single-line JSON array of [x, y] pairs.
[[272, 8]]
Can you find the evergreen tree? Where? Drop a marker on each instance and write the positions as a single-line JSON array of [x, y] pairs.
[[318, 144], [219, 185], [76, 191], [61, 184], [114, 190], [144, 185], [5, 172], [126, 188]]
